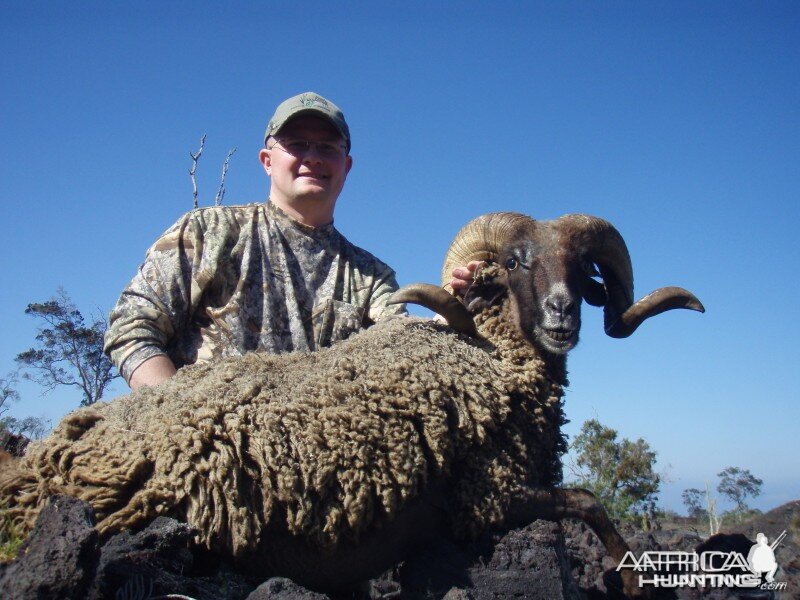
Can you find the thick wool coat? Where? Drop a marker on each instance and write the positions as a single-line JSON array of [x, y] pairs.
[[319, 445]]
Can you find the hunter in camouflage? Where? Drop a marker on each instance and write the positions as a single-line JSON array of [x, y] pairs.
[[273, 277], [233, 279]]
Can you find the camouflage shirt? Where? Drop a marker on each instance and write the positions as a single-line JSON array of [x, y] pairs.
[[232, 279]]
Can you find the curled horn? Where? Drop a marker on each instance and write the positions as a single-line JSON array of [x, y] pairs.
[[605, 247], [480, 239], [439, 301]]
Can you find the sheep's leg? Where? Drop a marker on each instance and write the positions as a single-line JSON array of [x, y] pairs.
[[555, 504]]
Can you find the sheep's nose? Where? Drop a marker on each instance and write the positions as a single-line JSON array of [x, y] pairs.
[[559, 305]]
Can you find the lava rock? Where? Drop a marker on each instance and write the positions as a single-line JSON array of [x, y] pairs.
[[59, 558], [162, 559], [62, 559], [153, 558], [530, 562], [280, 588]]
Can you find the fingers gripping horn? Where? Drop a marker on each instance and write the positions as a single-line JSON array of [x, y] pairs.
[[480, 239], [440, 302], [604, 246]]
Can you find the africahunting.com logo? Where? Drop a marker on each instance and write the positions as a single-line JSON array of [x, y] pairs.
[[677, 568]]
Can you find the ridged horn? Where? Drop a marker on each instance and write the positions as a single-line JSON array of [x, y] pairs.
[[654, 303], [605, 247], [440, 302], [480, 239]]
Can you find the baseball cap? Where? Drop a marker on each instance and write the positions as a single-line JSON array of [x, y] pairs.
[[308, 103]]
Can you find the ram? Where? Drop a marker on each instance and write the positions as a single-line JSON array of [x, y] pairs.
[[329, 467]]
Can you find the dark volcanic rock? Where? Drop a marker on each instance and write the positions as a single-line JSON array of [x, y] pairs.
[[62, 559], [594, 571], [155, 557], [58, 560], [160, 560], [530, 562], [280, 588]]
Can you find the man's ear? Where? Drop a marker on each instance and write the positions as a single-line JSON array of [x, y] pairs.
[[265, 157], [348, 164]]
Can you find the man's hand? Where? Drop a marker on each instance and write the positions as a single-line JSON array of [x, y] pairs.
[[463, 276], [152, 372]]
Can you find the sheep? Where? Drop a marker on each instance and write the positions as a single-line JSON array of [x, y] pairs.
[[329, 467]]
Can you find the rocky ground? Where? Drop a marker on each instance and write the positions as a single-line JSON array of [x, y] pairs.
[[64, 558]]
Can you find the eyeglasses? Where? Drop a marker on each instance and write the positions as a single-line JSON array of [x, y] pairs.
[[300, 148]]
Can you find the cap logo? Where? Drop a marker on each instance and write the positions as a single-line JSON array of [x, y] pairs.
[[309, 101]]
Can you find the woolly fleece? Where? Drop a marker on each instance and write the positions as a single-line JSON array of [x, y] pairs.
[[317, 443]]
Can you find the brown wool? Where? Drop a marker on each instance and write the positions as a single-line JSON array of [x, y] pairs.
[[319, 445]]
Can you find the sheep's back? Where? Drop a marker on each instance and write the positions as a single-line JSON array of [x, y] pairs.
[[321, 443]]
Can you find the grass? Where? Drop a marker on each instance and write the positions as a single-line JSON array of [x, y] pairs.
[[10, 538]]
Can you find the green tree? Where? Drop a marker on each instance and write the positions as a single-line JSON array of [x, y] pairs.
[[737, 484], [619, 472], [68, 352], [694, 499]]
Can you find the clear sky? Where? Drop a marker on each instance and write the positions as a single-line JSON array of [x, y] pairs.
[[677, 121]]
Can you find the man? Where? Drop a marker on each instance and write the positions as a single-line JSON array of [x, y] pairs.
[[272, 277]]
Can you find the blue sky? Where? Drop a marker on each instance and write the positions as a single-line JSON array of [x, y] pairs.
[[679, 122]]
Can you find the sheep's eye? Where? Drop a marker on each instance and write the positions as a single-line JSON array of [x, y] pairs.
[[511, 264]]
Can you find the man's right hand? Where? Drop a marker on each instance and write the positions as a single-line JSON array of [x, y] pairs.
[[152, 372]]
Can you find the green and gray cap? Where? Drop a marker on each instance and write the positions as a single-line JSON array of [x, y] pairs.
[[308, 103]]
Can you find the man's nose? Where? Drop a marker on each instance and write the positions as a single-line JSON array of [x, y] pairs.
[[312, 154]]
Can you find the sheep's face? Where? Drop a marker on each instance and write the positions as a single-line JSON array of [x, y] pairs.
[[547, 268], [544, 296], [547, 280]]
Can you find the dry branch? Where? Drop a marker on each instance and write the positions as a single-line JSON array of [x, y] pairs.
[[195, 158]]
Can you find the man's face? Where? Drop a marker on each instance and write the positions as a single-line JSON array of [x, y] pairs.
[[312, 176]]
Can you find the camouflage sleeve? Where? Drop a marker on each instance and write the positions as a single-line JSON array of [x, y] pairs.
[[159, 300], [385, 285]]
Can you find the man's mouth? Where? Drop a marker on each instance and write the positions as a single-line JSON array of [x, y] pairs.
[[315, 176]]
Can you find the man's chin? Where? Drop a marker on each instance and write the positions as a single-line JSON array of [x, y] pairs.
[[315, 193], [312, 196]]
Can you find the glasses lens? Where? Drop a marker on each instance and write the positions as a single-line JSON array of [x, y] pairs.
[[329, 150], [300, 148], [296, 147]]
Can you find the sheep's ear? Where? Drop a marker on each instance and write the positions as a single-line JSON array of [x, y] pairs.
[[489, 287], [593, 292]]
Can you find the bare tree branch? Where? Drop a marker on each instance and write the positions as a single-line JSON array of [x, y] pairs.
[[711, 507], [195, 158], [221, 190], [8, 392]]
